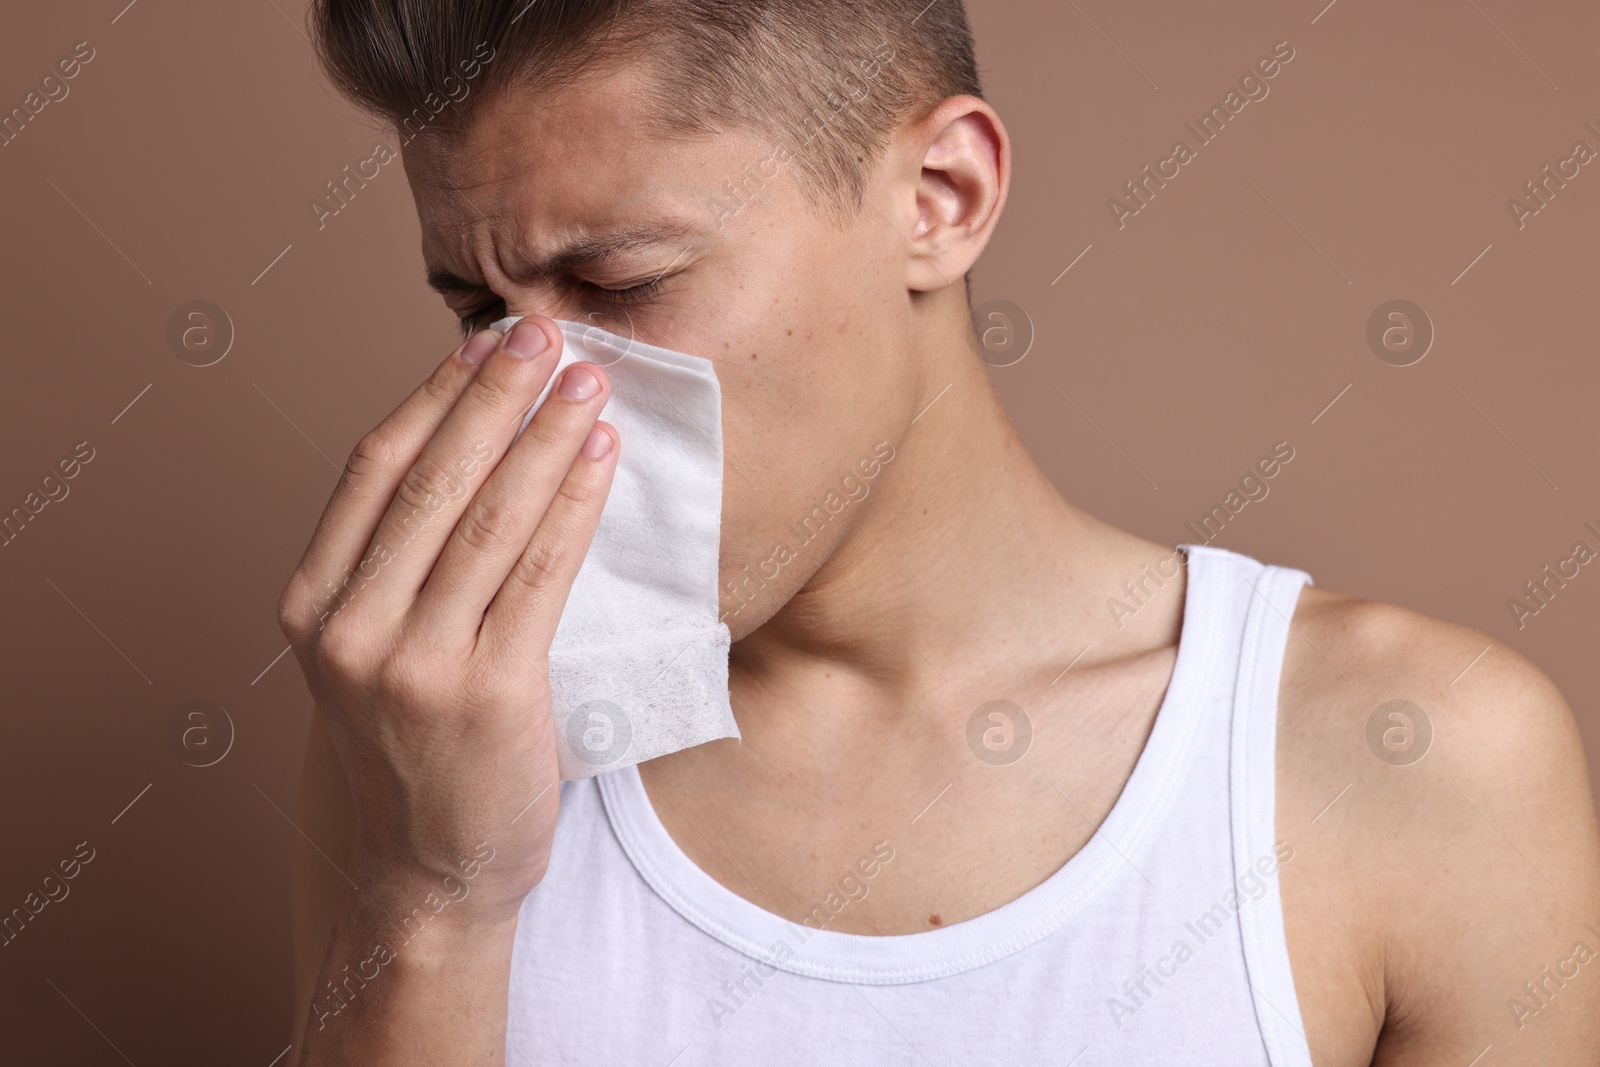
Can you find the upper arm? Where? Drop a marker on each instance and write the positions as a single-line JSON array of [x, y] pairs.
[[1441, 879], [1496, 885], [324, 814]]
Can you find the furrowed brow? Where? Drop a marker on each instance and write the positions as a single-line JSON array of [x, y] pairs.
[[597, 248], [443, 282], [585, 251]]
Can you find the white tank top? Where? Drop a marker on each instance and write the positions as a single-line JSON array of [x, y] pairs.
[[1161, 941]]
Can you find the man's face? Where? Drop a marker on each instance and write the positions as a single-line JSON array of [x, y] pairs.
[[808, 324]]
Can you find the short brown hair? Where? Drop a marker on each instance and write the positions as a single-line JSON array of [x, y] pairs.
[[828, 80]]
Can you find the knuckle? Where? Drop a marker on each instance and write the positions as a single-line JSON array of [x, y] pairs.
[[487, 524], [342, 652], [581, 492], [482, 689], [398, 677], [295, 610], [373, 454], [541, 433], [427, 484], [412, 676], [493, 390], [439, 391], [307, 607], [540, 566]]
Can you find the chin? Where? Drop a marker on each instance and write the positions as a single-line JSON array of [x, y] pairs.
[[748, 600], [745, 617]]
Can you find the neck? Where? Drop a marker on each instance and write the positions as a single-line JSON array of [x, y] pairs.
[[962, 573]]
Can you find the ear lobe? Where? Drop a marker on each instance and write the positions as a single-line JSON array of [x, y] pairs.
[[966, 173]]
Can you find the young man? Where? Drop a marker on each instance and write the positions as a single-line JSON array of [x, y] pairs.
[[975, 817]]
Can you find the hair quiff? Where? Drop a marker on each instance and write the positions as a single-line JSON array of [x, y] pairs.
[[828, 80]]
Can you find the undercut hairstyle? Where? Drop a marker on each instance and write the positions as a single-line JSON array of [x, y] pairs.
[[827, 81]]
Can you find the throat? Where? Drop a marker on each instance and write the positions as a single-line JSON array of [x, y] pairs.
[[900, 831]]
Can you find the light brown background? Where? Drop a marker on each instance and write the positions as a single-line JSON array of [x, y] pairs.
[[1223, 318]]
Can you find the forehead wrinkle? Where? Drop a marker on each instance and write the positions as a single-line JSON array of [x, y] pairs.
[[594, 247], [502, 226], [456, 226], [586, 250]]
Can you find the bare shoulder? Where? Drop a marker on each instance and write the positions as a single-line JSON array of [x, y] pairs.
[[1447, 855]]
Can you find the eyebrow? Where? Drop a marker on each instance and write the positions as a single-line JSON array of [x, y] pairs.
[[584, 251]]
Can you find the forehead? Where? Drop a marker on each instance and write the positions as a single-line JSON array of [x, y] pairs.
[[532, 174]]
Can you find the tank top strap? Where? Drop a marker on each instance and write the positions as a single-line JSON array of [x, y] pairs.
[[1272, 593]]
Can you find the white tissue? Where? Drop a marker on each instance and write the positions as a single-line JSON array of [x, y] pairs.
[[639, 663]]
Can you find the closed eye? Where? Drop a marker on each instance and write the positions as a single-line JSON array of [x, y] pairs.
[[633, 294], [474, 321]]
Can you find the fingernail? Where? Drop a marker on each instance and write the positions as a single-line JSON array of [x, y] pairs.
[[478, 348], [579, 384], [526, 340], [597, 444]]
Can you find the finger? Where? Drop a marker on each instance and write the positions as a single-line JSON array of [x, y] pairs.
[[369, 479], [525, 611], [434, 492], [497, 525]]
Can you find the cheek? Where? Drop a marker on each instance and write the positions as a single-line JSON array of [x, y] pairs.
[[777, 417], [804, 338], [778, 434]]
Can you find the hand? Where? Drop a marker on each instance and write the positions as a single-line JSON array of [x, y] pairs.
[[423, 610]]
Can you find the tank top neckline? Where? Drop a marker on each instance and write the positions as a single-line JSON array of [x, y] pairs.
[[895, 959]]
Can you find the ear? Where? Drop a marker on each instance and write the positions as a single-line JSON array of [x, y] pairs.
[[966, 173]]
